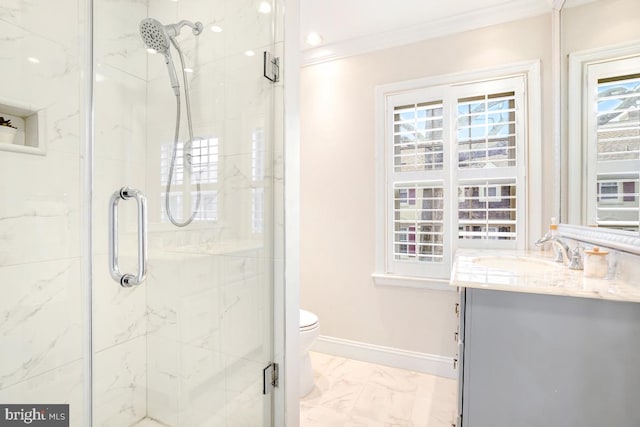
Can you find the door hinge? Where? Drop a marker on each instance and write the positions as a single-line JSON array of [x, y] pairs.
[[271, 67], [270, 378]]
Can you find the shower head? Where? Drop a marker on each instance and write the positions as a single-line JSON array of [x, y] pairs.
[[158, 37], [154, 35]]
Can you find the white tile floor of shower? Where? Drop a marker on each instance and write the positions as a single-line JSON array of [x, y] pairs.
[[148, 422], [350, 393]]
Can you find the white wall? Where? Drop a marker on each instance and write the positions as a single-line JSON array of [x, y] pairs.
[[609, 22], [337, 183]]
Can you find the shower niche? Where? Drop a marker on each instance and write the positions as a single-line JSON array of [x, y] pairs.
[[21, 128]]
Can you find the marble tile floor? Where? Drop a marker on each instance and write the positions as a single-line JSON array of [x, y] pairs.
[[350, 393]]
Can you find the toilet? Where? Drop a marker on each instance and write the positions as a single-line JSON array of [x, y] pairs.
[[309, 331]]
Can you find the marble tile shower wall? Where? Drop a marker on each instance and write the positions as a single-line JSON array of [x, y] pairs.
[[40, 265], [120, 158]]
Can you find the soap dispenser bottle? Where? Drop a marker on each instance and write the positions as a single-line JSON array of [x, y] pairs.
[[553, 227], [596, 263]]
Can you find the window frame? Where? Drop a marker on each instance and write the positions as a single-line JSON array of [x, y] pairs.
[[529, 72]]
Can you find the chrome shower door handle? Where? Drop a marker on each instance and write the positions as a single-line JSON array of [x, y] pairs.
[[128, 280]]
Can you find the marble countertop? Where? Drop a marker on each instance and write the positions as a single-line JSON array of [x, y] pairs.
[[533, 272]]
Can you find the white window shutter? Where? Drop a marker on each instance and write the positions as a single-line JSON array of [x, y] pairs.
[[613, 123], [455, 173]]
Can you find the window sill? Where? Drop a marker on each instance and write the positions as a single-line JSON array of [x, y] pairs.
[[412, 282]]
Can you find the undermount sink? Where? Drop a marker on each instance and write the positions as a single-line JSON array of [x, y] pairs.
[[517, 264]]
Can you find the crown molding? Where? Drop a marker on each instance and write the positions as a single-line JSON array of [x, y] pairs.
[[557, 4], [506, 12], [574, 3]]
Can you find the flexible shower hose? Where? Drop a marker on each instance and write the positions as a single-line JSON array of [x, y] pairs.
[[187, 160]]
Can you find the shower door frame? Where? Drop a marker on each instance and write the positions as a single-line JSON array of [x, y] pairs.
[[287, 298], [87, 182]]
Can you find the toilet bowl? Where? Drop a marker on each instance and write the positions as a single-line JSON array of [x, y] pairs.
[[309, 331]]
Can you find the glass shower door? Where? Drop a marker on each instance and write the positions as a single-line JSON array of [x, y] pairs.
[[188, 345]]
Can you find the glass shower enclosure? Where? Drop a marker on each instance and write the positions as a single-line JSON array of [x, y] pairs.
[[138, 262]]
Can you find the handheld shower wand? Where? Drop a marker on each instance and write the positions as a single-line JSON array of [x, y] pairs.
[[159, 38]]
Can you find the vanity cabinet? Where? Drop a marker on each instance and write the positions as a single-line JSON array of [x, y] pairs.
[[531, 360]]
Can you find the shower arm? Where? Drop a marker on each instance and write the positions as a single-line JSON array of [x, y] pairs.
[[174, 29]]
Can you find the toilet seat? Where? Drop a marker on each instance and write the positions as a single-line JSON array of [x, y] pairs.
[[308, 321], [309, 328]]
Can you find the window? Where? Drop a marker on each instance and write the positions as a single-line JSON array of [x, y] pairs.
[[487, 210], [203, 158], [455, 160], [613, 143], [418, 226], [609, 192]]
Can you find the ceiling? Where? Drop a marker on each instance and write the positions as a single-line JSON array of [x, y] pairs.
[[356, 26]]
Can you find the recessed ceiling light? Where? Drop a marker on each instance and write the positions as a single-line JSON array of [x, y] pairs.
[[249, 53], [216, 28], [33, 60], [264, 7], [313, 39]]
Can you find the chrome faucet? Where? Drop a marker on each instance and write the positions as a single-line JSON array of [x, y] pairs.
[[560, 248], [564, 254]]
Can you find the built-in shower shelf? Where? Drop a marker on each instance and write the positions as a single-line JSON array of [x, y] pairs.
[[29, 121]]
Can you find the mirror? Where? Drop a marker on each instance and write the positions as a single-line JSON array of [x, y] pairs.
[[601, 136]]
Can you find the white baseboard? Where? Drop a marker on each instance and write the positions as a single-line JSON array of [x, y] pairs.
[[397, 358]]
